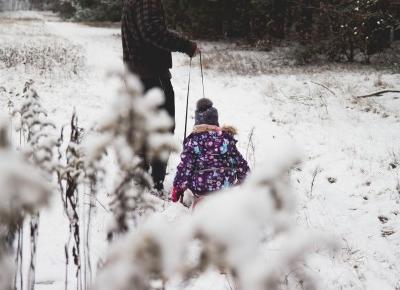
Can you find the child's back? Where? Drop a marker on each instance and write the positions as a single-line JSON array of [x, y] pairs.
[[210, 159]]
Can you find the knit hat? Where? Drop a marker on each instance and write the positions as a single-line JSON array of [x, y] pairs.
[[206, 113]]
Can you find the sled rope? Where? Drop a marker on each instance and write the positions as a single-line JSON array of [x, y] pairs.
[[187, 100], [202, 75], [188, 90]]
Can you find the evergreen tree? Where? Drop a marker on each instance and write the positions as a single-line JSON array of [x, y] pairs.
[[340, 29]]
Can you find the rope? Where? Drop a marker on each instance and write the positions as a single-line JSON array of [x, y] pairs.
[[187, 100], [202, 75], [188, 90]]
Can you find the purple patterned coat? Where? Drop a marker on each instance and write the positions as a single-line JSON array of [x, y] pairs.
[[210, 161]]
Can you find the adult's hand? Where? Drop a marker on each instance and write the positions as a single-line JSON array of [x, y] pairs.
[[195, 50]]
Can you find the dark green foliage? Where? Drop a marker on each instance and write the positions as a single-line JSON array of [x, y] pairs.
[[98, 10], [339, 30], [83, 10], [344, 29], [65, 8], [219, 19]]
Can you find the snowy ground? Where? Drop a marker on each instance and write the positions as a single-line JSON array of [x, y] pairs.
[[348, 184]]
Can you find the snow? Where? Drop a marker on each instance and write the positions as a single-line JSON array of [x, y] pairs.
[[229, 228], [23, 191], [351, 142]]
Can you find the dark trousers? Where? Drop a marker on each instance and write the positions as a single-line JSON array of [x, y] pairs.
[[158, 167]]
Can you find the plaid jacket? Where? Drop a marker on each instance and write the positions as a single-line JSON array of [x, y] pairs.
[[147, 43]]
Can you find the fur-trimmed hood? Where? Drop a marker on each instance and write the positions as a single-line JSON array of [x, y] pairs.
[[206, 128]]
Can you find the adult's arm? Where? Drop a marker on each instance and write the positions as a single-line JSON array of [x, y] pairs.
[[153, 29]]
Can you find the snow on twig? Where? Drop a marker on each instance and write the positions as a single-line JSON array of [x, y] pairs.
[[228, 229], [137, 132], [23, 193]]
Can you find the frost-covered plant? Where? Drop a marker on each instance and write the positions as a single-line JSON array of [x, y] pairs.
[[22, 192], [7, 5], [70, 176], [44, 56], [135, 132], [228, 231], [31, 121], [40, 150]]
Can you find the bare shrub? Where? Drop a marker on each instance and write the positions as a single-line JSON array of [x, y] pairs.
[[45, 151], [70, 176], [379, 82], [23, 193], [14, 5], [389, 58], [136, 131], [249, 63], [40, 151], [44, 57]]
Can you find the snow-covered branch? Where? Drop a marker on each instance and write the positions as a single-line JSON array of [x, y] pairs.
[[135, 131], [23, 192], [39, 149], [229, 232]]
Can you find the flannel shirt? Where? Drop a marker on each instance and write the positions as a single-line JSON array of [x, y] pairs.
[[147, 42]]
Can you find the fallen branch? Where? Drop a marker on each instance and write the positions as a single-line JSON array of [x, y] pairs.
[[378, 94]]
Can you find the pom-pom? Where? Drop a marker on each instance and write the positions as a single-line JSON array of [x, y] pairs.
[[204, 104]]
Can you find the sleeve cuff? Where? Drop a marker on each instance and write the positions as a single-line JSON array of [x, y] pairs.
[[191, 48]]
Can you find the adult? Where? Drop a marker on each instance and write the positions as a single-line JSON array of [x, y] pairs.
[[147, 46]]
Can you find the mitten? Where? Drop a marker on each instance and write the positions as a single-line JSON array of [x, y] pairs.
[[176, 194]]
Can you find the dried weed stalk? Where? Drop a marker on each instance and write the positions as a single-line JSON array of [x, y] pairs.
[[23, 193], [39, 150], [135, 132], [230, 240]]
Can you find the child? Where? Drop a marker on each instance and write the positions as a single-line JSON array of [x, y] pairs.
[[210, 160]]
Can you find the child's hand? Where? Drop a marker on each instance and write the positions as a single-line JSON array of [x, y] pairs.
[[176, 195]]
